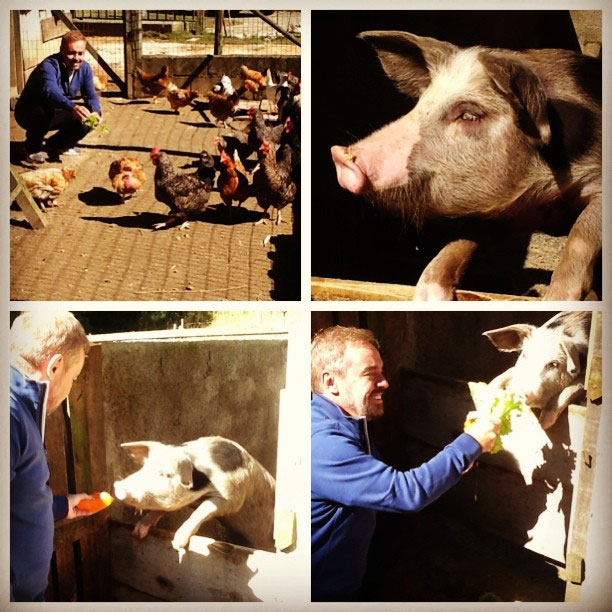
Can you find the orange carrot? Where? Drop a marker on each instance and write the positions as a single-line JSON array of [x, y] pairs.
[[99, 501]]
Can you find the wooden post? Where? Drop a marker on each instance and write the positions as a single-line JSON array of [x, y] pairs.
[[132, 23], [576, 563], [218, 37], [16, 53], [201, 22]]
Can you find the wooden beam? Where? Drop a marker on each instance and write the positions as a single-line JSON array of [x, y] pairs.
[[25, 201], [271, 23], [348, 290]]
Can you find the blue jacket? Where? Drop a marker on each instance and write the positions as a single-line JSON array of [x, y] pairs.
[[49, 82], [33, 507], [349, 484]]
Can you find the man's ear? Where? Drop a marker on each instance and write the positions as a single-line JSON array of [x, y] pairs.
[[54, 365], [329, 383]]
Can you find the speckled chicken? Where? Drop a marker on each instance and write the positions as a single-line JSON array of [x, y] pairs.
[[185, 194]]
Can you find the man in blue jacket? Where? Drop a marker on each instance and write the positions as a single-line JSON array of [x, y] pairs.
[[47, 353], [349, 483], [47, 100]]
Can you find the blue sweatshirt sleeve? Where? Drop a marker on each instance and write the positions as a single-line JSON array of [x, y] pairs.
[[51, 85], [347, 475], [88, 91], [60, 507]]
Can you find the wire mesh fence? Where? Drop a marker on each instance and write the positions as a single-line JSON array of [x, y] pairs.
[[164, 32]]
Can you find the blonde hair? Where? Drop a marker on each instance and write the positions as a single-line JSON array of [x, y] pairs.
[[71, 36], [328, 351], [36, 336]]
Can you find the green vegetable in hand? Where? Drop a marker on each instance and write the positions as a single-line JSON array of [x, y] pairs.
[[93, 122], [496, 402]]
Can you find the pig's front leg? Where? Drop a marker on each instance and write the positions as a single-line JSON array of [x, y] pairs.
[[208, 509], [573, 277], [443, 273], [572, 394], [150, 519]]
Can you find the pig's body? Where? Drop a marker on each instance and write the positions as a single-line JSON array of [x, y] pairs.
[[549, 372], [495, 134], [217, 473]]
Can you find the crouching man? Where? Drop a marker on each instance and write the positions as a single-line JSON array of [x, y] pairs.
[[47, 101], [47, 353], [349, 483]]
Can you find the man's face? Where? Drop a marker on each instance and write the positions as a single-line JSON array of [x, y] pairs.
[[361, 387], [61, 375], [73, 53]]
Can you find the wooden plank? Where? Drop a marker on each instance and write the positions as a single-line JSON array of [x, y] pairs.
[[581, 506], [50, 29], [274, 25], [68, 531], [16, 53], [347, 290], [25, 201], [132, 25]]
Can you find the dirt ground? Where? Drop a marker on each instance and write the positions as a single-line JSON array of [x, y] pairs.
[[96, 248]]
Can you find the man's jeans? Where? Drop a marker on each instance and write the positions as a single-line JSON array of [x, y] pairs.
[[37, 120]]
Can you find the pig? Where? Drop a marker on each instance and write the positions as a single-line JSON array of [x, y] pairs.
[[549, 372], [219, 474], [509, 137]]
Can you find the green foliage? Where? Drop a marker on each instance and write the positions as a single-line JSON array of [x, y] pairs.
[[93, 122]]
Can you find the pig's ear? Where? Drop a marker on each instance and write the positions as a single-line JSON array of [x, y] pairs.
[[407, 58], [524, 90], [138, 450], [573, 358], [510, 338]]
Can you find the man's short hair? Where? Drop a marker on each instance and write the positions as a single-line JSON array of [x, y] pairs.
[[71, 36], [328, 348], [36, 336]]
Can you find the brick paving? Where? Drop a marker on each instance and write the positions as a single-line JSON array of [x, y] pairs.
[[96, 248]]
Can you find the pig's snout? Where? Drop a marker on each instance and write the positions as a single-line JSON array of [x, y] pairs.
[[120, 491], [350, 175]]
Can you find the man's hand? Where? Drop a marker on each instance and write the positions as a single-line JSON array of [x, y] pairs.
[[80, 112], [73, 500], [484, 430]]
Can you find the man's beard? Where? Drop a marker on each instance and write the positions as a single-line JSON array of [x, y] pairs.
[[363, 408]]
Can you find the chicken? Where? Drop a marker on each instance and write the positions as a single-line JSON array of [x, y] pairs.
[[289, 103], [127, 176], [185, 194], [232, 183], [224, 86], [255, 77], [181, 97], [100, 82], [155, 84], [223, 106], [272, 183], [47, 184], [259, 131]]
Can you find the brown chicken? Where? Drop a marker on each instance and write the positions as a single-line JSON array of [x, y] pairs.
[[223, 106], [232, 182], [181, 97], [254, 76], [127, 176], [155, 84], [100, 81], [47, 184]]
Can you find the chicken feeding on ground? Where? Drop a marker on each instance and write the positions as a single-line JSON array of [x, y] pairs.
[[223, 106], [47, 184], [232, 183], [155, 84], [127, 176], [181, 97], [185, 194], [273, 185]]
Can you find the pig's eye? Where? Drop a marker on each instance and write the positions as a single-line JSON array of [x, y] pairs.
[[552, 365], [468, 116], [466, 112]]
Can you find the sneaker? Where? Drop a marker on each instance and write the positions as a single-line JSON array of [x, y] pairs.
[[72, 152], [36, 158], [57, 152]]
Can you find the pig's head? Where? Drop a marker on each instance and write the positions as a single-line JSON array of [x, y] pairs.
[[551, 356], [164, 482], [469, 144]]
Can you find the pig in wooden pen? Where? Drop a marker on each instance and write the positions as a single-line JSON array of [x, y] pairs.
[[513, 528], [175, 387]]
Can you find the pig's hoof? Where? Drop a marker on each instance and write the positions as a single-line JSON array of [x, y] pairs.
[[140, 531]]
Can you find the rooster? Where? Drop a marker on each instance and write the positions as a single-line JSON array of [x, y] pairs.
[[127, 176], [181, 97], [185, 194], [47, 184], [223, 106], [232, 183], [155, 84], [273, 185]]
